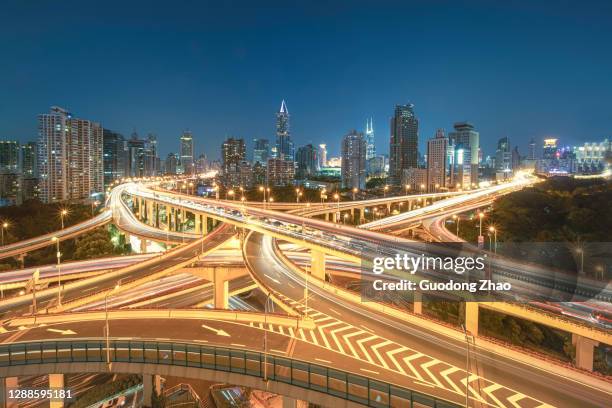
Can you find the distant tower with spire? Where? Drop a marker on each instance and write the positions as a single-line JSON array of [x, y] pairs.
[[284, 145], [369, 136]]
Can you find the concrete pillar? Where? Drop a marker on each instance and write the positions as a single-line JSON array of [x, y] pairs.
[[317, 264], [326, 216], [471, 317], [417, 303], [9, 383], [584, 351], [221, 288], [56, 381], [197, 223], [147, 390], [388, 208], [362, 215], [150, 219], [205, 227], [410, 205], [143, 246]]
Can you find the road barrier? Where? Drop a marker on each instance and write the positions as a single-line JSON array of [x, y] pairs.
[[337, 383]]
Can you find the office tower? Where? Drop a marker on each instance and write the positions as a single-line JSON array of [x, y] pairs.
[[259, 173], [186, 151], [439, 161], [171, 164], [532, 150], [462, 167], [549, 150], [284, 145], [503, 158], [369, 136], [307, 161], [114, 156], [322, 155], [515, 159], [416, 177], [151, 158], [280, 172], [375, 167], [9, 156], [469, 139], [28, 163], [233, 153], [136, 156], [354, 150], [70, 163], [201, 164], [403, 147], [261, 151]]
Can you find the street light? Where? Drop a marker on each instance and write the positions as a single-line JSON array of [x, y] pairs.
[[59, 270], [337, 198], [265, 345], [407, 188], [297, 195], [456, 218], [481, 216], [422, 187], [4, 226], [230, 193], [494, 231], [467, 363], [581, 252], [385, 189], [107, 328], [354, 192], [63, 213]]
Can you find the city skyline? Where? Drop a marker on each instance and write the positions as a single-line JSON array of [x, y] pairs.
[[435, 75]]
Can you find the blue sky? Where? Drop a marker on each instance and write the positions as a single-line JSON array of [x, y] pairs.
[[520, 69]]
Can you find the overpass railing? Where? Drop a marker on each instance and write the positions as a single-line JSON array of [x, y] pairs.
[[342, 384]]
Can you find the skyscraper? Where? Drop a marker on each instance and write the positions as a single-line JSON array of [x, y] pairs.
[[532, 150], [439, 161], [369, 136], [9, 156], [261, 151], [307, 160], [28, 164], [322, 155], [233, 154], [468, 139], [549, 150], [171, 163], [503, 158], [186, 151], [70, 156], [403, 147], [114, 156], [284, 145], [354, 150]]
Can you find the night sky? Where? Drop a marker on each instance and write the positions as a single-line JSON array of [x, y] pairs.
[[520, 70]]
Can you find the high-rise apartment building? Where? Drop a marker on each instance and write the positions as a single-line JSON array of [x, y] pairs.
[[369, 136], [70, 162], [233, 155], [403, 146], [261, 151], [353, 166], [280, 172], [531, 155], [284, 145], [9, 157], [28, 162], [467, 138], [171, 164], [439, 161], [503, 158], [186, 150], [307, 161]]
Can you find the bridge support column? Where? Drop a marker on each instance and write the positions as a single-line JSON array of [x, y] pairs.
[[410, 205], [326, 216], [362, 215], [143, 246], [9, 383], [147, 390], [584, 351], [56, 381], [417, 303], [317, 264], [205, 222], [471, 317], [221, 288], [150, 219], [197, 223]]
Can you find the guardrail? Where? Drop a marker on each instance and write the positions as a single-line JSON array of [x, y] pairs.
[[342, 384]]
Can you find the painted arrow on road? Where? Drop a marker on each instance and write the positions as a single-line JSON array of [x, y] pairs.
[[218, 332]]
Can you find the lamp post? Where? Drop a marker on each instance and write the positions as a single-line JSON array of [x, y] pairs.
[[106, 325], [481, 216], [422, 188], [63, 213], [265, 345], [581, 252], [467, 364], [263, 191], [230, 193], [407, 186], [354, 192], [456, 218], [385, 189], [297, 195], [4, 226], [59, 271], [494, 231], [337, 197]]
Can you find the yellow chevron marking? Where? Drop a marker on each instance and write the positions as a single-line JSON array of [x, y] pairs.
[[426, 367], [375, 350], [490, 390], [448, 372], [360, 344], [408, 360]]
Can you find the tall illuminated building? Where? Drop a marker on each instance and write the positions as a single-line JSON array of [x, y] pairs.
[[322, 155], [403, 146], [353, 166], [70, 162], [549, 150], [186, 152], [468, 138], [369, 136], [9, 156], [307, 161], [284, 145], [261, 151], [439, 161], [114, 156]]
